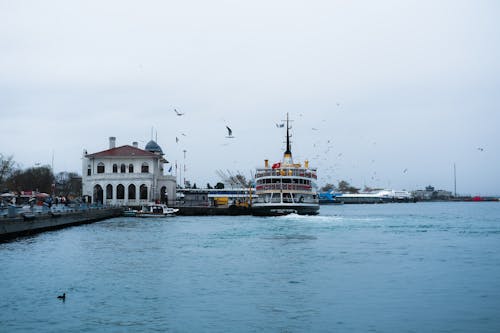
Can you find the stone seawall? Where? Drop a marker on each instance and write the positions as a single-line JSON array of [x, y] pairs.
[[35, 223]]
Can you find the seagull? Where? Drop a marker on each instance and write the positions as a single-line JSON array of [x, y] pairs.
[[183, 134], [229, 133], [338, 104], [280, 125], [63, 296], [176, 140], [404, 171], [314, 129], [480, 149], [178, 113]]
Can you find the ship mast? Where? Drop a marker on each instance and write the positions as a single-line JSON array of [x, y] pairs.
[[287, 158]]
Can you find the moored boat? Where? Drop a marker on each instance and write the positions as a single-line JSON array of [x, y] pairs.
[[156, 210], [286, 187]]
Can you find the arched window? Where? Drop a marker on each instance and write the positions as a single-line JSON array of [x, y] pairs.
[[143, 192], [109, 191], [145, 167], [100, 167], [163, 195], [131, 168], [115, 168], [123, 168], [120, 192], [98, 194], [131, 192]]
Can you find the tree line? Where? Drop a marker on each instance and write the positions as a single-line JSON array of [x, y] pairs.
[[13, 178]]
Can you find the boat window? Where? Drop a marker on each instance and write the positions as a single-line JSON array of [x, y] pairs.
[[145, 168], [109, 191], [100, 167], [131, 192], [276, 197], [287, 181], [287, 198], [120, 192], [131, 168], [115, 168], [123, 168]]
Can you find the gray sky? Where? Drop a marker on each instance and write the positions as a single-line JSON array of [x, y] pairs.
[[386, 85]]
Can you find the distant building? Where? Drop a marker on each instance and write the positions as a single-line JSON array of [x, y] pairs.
[[430, 193], [127, 175]]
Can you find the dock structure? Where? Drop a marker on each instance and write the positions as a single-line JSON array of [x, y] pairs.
[[214, 201], [24, 223]]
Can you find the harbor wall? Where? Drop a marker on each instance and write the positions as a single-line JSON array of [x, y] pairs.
[[24, 224]]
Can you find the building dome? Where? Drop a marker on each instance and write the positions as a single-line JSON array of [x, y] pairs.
[[153, 147]]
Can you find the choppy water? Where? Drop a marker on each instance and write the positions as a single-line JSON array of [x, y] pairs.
[[425, 267]]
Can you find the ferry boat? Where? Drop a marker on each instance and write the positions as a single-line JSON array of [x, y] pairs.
[[285, 187]]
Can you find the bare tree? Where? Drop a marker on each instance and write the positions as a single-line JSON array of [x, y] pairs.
[[7, 168]]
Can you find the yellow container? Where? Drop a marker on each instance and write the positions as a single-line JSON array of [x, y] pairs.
[[221, 201]]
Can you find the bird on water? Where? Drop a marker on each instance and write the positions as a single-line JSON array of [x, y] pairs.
[[62, 297]]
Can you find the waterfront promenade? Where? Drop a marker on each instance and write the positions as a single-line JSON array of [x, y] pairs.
[[15, 221]]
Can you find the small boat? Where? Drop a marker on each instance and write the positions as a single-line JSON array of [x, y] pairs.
[[130, 212], [156, 210]]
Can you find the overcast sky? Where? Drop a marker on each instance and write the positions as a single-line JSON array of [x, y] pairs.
[[382, 93]]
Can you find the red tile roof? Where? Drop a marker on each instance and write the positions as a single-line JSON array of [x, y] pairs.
[[124, 151]]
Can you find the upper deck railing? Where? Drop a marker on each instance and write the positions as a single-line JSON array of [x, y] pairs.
[[284, 172], [286, 187]]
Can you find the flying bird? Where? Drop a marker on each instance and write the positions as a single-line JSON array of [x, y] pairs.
[[280, 125], [229, 133], [405, 170], [480, 149], [176, 140], [178, 113], [62, 297]]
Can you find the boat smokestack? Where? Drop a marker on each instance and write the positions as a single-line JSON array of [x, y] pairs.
[[266, 163], [287, 158], [112, 142], [135, 144], [306, 164]]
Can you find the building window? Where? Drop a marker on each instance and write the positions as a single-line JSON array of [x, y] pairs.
[[131, 168], [145, 168], [97, 194], [100, 167], [163, 195], [89, 170], [120, 192], [109, 191], [131, 192], [115, 168], [143, 192], [123, 168]]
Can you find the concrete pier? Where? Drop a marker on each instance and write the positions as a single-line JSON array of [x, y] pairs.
[[28, 223]]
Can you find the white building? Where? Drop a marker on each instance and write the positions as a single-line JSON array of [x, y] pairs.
[[127, 175]]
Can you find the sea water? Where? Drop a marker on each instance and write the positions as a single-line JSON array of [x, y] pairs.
[[419, 267]]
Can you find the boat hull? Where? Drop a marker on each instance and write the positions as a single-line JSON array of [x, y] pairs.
[[279, 210]]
